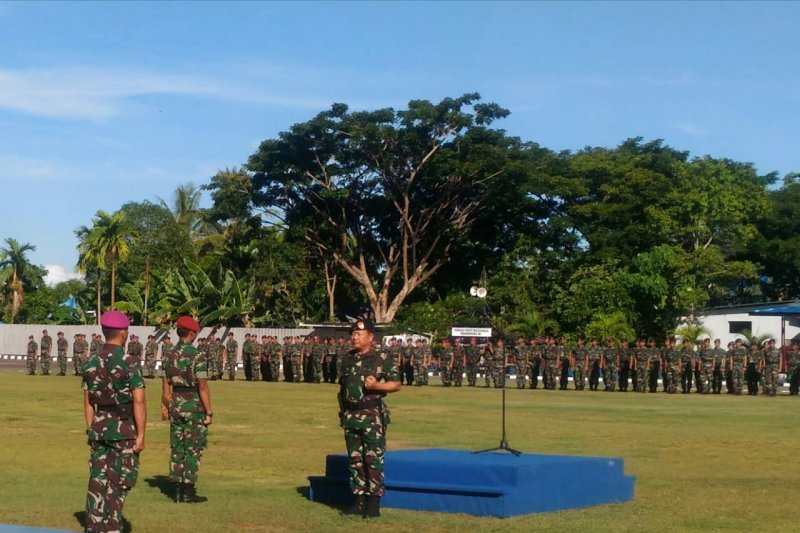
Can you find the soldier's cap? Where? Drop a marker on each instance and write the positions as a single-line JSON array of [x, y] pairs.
[[363, 325], [115, 320], [230, 334], [188, 323], [30, 336]]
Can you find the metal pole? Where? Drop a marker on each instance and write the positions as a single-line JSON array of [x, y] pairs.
[[146, 288]]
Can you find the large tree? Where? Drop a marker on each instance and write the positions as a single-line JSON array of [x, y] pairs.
[[386, 194], [17, 273]]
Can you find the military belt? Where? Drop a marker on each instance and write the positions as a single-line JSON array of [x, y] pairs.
[[178, 388], [122, 410], [362, 404]]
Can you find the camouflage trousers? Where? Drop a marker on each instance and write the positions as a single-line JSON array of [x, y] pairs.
[[550, 373], [230, 366], [641, 377], [31, 364], [472, 373], [609, 378], [365, 439], [737, 376], [521, 368], [255, 367], [113, 468], [457, 373], [446, 373], [420, 374], [498, 374], [77, 363], [295, 364], [769, 380], [579, 375], [274, 369], [44, 360], [219, 366], [672, 377], [706, 377], [488, 372], [316, 368], [150, 366], [61, 360], [188, 437]]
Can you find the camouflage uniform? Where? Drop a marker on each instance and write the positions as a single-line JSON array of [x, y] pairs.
[[521, 364], [135, 349], [78, 353], [719, 357], [595, 358], [33, 348], [610, 355], [61, 346], [642, 357], [249, 359], [769, 375], [420, 367], [473, 353], [737, 355], [46, 345], [445, 363], [792, 372], [580, 353], [94, 347], [550, 364], [230, 361], [109, 378], [671, 358], [183, 369], [498, 366], [150, 357], [364, 417], [295, 360], [457, 374], [317, 355], [706, 370], [341, 351], [219, 358]]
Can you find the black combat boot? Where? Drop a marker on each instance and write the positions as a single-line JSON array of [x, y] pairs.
[[357, 509], [178, 492], [190, 494], [373, 507]]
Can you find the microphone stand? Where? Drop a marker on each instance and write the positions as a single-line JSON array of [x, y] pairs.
[[503, 442]]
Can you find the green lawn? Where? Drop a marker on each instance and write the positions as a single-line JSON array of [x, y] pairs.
[[710, 463]]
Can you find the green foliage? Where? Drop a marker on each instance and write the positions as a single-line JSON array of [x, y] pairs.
[[17, 275], [692, 332], [615, 325]]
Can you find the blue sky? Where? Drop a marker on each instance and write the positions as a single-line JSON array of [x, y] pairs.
[[104, 103]]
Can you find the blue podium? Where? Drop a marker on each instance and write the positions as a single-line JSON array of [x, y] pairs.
[[488, 484]]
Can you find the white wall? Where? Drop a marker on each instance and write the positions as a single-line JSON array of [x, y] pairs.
[[719, 325]]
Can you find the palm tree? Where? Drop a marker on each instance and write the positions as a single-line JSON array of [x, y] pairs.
[[17, 272], [751, 339], [105, 245], [615, 325], [533, 324], [692, 332]]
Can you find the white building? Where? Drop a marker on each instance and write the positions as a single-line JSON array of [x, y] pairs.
[[770, 318]]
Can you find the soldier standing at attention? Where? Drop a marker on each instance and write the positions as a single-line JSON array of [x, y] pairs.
[[166, 347], [95, 346], [654, 364], [610, 365], [595, 358], [580, 361], [706, 368], [754, 357], [264, 355], [521, 361], [366, 378], [671, 365], [499, 364], [550, 361], [135, 348], [459, 362], [76, 345], [719, 360], [446, 362], [770, 363], [341, 351], [150, 357], [231, 347], [219, 359], [276, 354], [317, 359], [286, 350], [641, 360], [407, 367], [116, 416], [564, 363], [61, 350], [687, 366], [33, 349], [473, 354], [248, 353], [46, 345], [419, 364], [184, 390]]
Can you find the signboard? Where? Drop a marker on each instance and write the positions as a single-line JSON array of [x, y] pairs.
[[470, 332]]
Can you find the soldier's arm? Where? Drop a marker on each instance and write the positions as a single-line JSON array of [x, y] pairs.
[[205, 399], [140, 417], [88, 410]]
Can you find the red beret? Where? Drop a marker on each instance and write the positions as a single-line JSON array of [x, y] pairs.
[[114, 320], [189, 323]]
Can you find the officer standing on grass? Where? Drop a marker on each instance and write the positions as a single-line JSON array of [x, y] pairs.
[[33, 347], [116, 416], [185, 391], [366, 378]]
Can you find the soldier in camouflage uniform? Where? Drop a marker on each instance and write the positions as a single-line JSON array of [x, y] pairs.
[[670, 359], [718, 360], [738, 358], [654, 365], [792, 369], [407, 363], [341, 351], [185, 391], [231, 347], [274, 355], [135, 348], [752, 375], [521, 361], [46, 346], [317, 359], [473, 355], [580, 358], [610, 365], [366, 378], [459, 362], [329, 368], [499, 361], [248, 357], [705, 365], [594, 362], [769, 366], [564, 363], [296, 359], [150, 357], [534, 362], [77, 352], [641, 360], [687, 366], [420, 369], [550, 362], [116, 416], [61, 351], [445, 363], [94, 347], [33, 349], [219, 358]]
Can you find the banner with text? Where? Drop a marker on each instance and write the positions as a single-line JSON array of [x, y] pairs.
[[471, 332]]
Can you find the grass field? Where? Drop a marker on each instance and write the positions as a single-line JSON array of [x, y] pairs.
[[712, 463]]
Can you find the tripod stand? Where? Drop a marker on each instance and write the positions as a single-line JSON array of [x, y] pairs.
[[503, 442]]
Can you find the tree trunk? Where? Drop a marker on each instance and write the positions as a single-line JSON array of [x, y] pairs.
[[113, 284], [98, 296]]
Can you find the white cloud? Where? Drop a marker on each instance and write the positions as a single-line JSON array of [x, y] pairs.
[[57, 273], [693, 129]]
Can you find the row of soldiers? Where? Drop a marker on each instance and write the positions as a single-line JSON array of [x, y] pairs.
[[679, 364]]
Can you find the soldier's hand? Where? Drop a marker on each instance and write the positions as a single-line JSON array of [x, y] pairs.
[[139, 445], [370, 382], [207, 420]]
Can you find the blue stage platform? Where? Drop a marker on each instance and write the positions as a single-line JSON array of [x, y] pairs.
[[488, 484]]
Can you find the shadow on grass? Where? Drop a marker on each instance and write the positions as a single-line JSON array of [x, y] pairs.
[[305, 492], [163, 484], [80, 516]]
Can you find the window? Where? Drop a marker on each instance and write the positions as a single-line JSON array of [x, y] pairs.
[[738, 327]]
